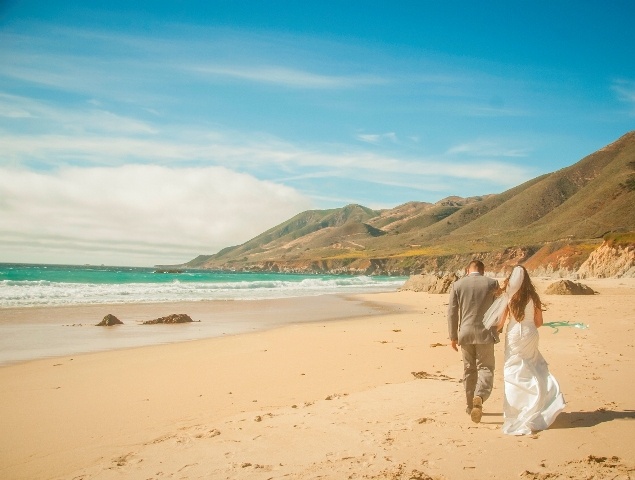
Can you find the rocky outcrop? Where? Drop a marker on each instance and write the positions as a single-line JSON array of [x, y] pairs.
[[609, 260], [174, 318], [567, 287], [109, 320], [497, 263], [430, 283], [419, 283], [560, 259]]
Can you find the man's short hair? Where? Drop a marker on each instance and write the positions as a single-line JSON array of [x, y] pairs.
[[480, 267]]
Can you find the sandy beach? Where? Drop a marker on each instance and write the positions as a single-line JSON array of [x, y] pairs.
[[373, 396]]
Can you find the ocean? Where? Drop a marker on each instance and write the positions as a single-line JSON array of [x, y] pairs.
[[51, 310], [25, 285]]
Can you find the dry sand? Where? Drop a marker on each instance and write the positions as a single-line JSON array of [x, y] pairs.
[[331, 400]]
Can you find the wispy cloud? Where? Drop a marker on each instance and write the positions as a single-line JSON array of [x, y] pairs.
[[487, 110], [487, 148], [369, 165], [288, 77], [79, 119], [377, 138], [121, 150], [625, 90], [97, 137], [146, 60]]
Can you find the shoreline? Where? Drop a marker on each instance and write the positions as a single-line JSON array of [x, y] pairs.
[[326, 398], [32, 333]]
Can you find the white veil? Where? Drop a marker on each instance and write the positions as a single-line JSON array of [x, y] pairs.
[[494, 312]]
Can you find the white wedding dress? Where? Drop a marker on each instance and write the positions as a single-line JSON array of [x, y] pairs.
[[532, 395]]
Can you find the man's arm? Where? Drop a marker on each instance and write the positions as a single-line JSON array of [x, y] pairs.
[[453, 318]]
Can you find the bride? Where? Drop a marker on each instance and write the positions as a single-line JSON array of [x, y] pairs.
[[532, 397]]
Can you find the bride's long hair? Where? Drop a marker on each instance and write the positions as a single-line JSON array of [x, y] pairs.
[[521, 298]]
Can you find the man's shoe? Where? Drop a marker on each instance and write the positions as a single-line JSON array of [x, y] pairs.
[[477, 409], [468, 410]]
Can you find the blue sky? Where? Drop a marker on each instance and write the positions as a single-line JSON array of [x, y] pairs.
[[154, 132]]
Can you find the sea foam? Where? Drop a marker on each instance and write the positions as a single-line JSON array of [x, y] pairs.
[[27, 293]]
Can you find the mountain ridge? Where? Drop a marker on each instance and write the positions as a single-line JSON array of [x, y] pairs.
[[571, 209]]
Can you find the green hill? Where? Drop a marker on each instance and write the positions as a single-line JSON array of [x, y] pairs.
[[576, 205]]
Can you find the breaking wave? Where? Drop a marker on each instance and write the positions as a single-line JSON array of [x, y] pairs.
[[27, 293]]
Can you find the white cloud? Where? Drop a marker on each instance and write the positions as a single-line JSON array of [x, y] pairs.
[[625, 90], [264, 155], [378, 138], [289, 77], [12, 111], [135, 214], [375, 168], [83, 119], [487, 148]]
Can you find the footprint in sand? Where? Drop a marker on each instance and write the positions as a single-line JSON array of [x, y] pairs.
[[423, 420], [123, 460], [208, 434], [336, 395], [590, 467], [161, 439], [259, 418]]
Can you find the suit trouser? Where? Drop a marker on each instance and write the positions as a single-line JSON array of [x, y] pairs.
[[478, 370]]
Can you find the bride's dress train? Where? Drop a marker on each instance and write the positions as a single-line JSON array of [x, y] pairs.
[[532, 395]]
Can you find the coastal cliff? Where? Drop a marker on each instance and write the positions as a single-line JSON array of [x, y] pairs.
[[610, 260], [552, 260]]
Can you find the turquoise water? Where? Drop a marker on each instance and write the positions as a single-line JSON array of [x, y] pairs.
[[24, 285], [27, 334]]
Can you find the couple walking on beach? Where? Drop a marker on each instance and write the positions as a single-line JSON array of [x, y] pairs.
[[477, 312]]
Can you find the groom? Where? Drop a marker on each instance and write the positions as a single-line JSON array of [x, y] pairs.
[[470, 297]]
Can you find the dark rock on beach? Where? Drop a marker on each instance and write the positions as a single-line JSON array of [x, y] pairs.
[[109, 320], [567, 287], [174, 318]]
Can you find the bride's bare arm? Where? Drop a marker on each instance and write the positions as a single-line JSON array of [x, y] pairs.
[[502, 320], [538, 316]]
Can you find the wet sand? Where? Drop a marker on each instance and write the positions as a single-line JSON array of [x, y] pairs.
[[325, 399], [37, 332]]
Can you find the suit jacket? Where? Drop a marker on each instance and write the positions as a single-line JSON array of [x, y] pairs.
[[470, 297]]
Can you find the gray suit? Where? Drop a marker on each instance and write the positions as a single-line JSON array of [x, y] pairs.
[[470, 297]]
